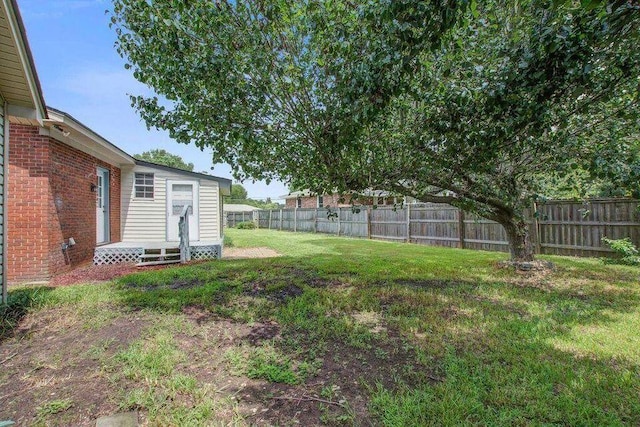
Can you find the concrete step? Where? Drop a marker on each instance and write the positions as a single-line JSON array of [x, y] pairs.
[[145, 256], [126, 419], [166, 261]]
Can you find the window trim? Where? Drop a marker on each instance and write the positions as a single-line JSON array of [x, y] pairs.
[[298, 202], [320, 202], [145, 186]]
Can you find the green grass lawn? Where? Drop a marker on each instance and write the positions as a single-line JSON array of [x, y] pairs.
[[336, 331]]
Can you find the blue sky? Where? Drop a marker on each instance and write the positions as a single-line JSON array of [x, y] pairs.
[[82, 74]]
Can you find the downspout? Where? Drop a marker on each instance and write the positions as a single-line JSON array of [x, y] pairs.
[[220, 213]]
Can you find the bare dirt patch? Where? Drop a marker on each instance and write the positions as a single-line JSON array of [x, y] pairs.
[[243, 253], [45, 364], [197, 313], [527, 266], [336, 394], [339, 392], [287, 284], [66, 362], [262, 332], [279, 294]]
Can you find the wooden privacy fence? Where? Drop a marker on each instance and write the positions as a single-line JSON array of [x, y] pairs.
[[231, 219], [559, 228]]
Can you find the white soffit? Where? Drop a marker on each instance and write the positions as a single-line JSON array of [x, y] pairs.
[[18, 79]]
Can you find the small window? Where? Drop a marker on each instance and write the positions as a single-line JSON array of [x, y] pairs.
[[320, 201], [299, 202], [144, 185]]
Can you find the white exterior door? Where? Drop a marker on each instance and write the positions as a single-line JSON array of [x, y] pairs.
[[102, 206], [179, 195]]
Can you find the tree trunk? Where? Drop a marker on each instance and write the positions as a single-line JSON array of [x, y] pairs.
[[519, 240]]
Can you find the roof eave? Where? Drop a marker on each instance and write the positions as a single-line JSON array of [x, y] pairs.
[[67, 129], [25, 57], [223, 183]]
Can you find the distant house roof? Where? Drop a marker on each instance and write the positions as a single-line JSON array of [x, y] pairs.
[[232, 207], [296, 194]]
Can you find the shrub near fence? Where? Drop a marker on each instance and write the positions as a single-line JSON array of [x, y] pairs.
[[232, 219], [560, 227]]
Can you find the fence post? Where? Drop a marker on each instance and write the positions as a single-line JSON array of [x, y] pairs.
[[536, 228], [338, 220], [368, 223], [461, 227], [295, 220], [408, 223], [315, 220], [269, 224], [280, 228]]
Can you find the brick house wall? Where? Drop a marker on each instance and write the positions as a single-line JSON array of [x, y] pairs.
[[333, 200], [50, 200], [27, 208], [311, 202]]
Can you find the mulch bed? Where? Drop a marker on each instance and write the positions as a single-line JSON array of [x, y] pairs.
[[90, 273]]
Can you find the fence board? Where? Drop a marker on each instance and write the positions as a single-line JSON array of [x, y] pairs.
[[559, 228]]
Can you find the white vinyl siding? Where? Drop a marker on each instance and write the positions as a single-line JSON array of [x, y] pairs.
[[145, 220], [2, 198]]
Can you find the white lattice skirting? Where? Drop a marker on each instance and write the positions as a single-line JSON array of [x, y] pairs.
[[116, 255], [132, 255], [205, 252]]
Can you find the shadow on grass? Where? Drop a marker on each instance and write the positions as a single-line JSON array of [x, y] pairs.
[[19, 303], [277, 281], [489, 344]]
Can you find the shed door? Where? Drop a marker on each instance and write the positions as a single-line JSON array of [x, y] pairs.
[[102, 206], [179, 195]]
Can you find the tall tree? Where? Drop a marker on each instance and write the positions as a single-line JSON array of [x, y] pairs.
[[238, 192], [460, 102], [163, 157]]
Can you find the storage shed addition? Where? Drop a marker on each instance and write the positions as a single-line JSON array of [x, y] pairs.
[[153, 197]]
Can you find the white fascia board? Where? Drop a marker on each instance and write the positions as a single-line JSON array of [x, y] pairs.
[[78, 136]]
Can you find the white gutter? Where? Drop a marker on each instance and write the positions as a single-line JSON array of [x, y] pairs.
[[76, 135]]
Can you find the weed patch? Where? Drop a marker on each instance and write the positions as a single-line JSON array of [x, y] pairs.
[[53, 407], [265, 363], [19, 303]]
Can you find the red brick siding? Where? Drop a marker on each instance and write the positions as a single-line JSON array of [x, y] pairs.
[[333, 201], [50, 193], [310, 202], [27, 205], [72, 205], [115, 203]]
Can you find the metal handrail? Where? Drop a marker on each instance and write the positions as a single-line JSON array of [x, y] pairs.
[[183, 231]]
